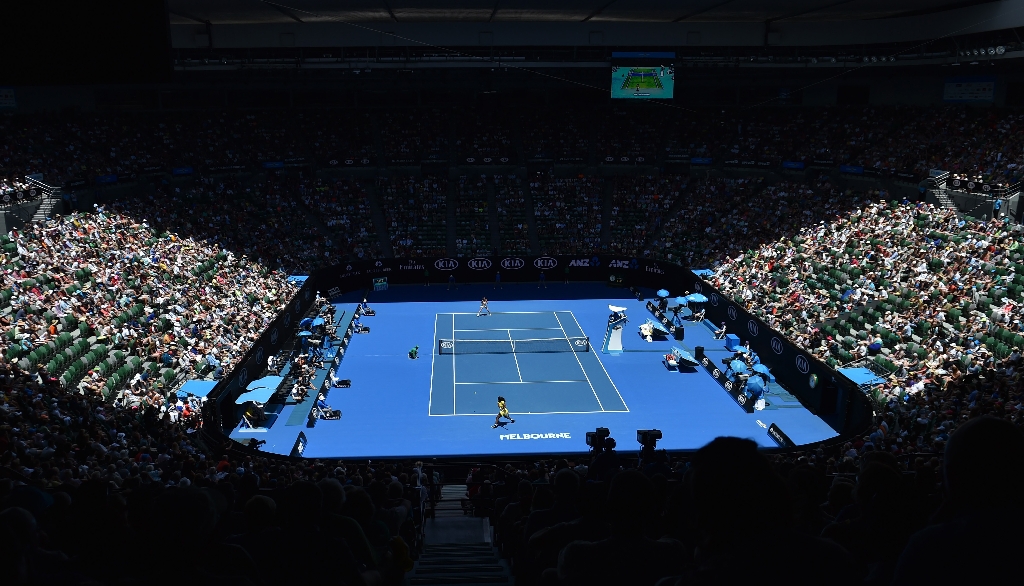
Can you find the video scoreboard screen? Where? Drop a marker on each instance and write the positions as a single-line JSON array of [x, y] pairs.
[[643, 76]]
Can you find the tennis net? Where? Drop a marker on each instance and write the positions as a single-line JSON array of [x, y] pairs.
[[580, 344]]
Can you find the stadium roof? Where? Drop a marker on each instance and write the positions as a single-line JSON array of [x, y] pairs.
[[563, 11]]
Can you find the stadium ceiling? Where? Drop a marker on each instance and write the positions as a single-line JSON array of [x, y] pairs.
[[258, 12]]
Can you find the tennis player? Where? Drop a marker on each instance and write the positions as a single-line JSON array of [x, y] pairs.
[[502, 412], [483, 308]]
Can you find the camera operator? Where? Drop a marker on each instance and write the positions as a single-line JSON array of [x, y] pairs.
[[605, 464]]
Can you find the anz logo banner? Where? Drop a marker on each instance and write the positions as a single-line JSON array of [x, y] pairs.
[[619, 263]]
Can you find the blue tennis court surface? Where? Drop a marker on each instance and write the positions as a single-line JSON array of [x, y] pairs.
[[443, 404], [539, 361]]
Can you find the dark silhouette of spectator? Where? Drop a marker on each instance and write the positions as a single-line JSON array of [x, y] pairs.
[[513, 518], [23, 560], [628, 556], [346, 527], [740, 504], [545, 545], [261, 536], [566, 485], [975, 530], [879, 525]]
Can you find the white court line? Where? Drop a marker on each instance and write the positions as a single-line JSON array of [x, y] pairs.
[[454, 388], [514, 357], [495, 313], [433, 354], [566, 334], [598, 361], [522, 382], [504, 329], [523, 413]]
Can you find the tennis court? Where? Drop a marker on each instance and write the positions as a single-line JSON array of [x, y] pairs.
[[644, 78], [541, 362]]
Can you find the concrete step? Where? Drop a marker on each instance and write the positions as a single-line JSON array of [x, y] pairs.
[[444, 567], [460, 580]]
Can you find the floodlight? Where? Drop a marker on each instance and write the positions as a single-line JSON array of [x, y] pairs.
[[991, 50], [1000, 50]]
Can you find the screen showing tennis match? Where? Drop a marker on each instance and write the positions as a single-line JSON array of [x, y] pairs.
[[643, 75]]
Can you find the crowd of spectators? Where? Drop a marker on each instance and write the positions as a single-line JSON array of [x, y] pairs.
[[82, 481], [472, 217], [15, 190], [625, 135], [639, 206], [561, 137], [415, 136], [69, 147], [931, 300], [567, 213], [117, 300], [484, 135], [104, 310], [513, 222], [344, 207], [855, 513], [416, 212]]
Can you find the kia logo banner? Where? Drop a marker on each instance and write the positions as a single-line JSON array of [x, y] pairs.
[[732, 313], [446, 264], [697, 287], [545, 262], [512, 263], [273, 336], [802, 365], [777, 345], [259, 355], [714, 299], [752, 328], [479, 264], [243, 376]]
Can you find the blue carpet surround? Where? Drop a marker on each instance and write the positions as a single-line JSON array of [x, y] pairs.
[[444, 403]]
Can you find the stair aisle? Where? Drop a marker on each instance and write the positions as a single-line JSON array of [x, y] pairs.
[[492, 217], [531, 220], [606, 213], [45, 208], [466, 564], [380, 222], [457, 548], [450, 233]]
